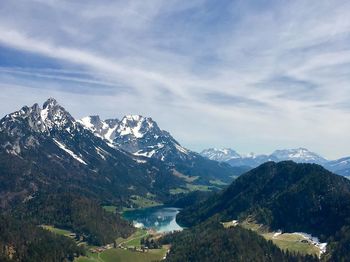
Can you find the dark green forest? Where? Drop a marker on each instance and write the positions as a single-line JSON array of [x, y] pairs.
[[79, 214], [210, 241], [21, 240]]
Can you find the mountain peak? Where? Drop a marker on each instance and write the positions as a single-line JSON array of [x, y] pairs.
[[133, 117], [51, 102], [136, 126]]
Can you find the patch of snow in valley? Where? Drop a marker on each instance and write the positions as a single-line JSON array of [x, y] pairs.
[[277, 234], [314, 240]]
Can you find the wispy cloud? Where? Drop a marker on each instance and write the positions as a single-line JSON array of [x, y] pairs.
[[247, 74]]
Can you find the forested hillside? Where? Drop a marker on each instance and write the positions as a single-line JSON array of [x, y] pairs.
[[210, 241], [284, 195]]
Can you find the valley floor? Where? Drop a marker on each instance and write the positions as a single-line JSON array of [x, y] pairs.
[[127, 250]]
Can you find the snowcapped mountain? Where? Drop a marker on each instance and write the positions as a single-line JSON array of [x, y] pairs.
[[138, 135], [30, 127], [235, 159], [340, 166], [44, 149], [224, 154], [142, 137], [299, 155]]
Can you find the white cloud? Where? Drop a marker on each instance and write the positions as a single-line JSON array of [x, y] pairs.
[[281, 67]]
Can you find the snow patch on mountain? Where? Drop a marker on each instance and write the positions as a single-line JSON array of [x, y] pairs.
[[44, 114], [70, 152], [86, 121], [145, 153]]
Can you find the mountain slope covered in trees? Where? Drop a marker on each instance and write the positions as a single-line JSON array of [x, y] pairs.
[[284, 195], [210, 241]]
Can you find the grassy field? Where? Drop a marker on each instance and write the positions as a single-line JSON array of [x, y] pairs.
[[133, 240], [142, 202], [178, 190], [189, 188], [217, 182], [286, 241], [130, 256], [188, 179], [192, 187], [56, 230], [116, 255]]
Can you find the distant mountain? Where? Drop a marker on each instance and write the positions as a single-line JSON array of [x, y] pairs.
[[299, 155], [221, 155], [340, 166], [286, 195], [251, 160], [142, 137]]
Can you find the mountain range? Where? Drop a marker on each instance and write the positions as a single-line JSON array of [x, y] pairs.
[[142, 137], [47, 149], [298, 155]]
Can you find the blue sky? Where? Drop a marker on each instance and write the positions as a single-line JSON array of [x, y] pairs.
[[251, 75]]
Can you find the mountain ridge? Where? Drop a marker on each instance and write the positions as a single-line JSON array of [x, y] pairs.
[[300, 155], [51, 147], [142, 137]]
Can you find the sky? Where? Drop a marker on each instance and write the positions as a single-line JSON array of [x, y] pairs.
[[251, 75]]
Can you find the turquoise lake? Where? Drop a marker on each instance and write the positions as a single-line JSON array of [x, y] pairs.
[[161, 219]]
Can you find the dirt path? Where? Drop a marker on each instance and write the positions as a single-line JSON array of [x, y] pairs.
[[99, 257]]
